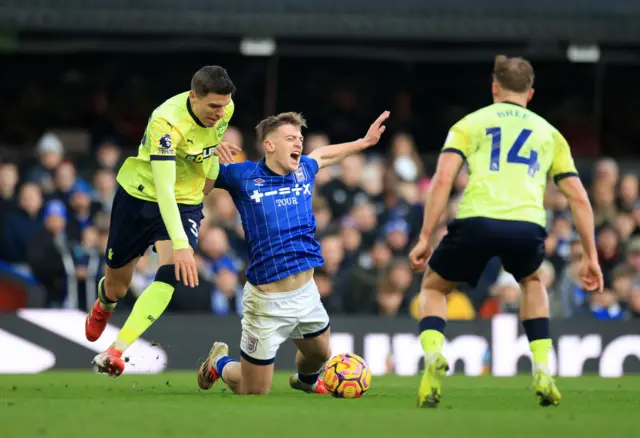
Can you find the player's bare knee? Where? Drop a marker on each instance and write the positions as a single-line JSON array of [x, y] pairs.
[[434, 283], [531, 280], [317, 357], [115, 288], [325, 355]]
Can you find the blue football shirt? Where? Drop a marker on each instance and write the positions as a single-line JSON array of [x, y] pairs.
[[277, 217]]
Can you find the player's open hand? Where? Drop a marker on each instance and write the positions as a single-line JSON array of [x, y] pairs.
[[376, 129], [591, 276], [419, 255], [226, 151], [186, 266]]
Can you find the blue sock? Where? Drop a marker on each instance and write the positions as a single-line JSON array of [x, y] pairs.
[[432, 323], [309, 379], [223, 362], [537, 329]]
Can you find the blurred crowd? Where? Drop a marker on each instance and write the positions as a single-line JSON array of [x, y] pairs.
[[54, 219]]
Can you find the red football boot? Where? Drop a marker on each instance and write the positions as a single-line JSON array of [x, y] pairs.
[[318, 388], [96, 322], [109, 362], [207, 373]]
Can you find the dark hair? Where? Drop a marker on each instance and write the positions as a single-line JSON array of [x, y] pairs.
[[212, 79], [272, 123], [514, 74]]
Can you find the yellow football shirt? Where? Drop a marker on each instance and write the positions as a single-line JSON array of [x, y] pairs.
[[174, 133], [510, 152]]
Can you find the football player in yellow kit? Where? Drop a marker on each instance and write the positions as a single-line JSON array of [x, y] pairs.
[[159, 202], [511, 152]]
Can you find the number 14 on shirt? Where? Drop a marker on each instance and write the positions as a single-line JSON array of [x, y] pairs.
[[513, 155]]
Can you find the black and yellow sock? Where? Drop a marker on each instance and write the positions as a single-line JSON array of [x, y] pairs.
[[105, 302], [148, 307], [432, 335], [540, 343]]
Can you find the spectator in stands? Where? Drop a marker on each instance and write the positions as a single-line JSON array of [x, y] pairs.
[[330, 300], [623, 283], [314, 141], [404, 158], [366, 221], [634, 302], [104, 183], [109, 156], [636, 217], [633, 254], [333, 254], [49, 253], [362, 279], [609, 251], [625, 225], [8, 182], [372, 183], [628, 192], [605, 306], [88, 265], [82, 209], [345, 192], [64, 179], [391, 294], [395, 207], [21, 224], [569, 299], [215, 250], [226, 297], [351, 242], [234, 136], [397, 235], [223, 214], [606, 172], [50, 152], [323, 214]]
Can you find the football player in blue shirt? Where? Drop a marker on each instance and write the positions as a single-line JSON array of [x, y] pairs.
[[280, 299]]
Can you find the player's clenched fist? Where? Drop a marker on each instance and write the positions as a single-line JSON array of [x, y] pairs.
[[376, 130], [226, 151], [420, 254]]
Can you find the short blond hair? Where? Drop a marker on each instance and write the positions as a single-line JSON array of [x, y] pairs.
[[272, 123], [513, 74]]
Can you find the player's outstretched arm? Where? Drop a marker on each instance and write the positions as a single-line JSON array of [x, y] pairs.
[[332, 154], [449, 165], [590, 272], [164, 178]]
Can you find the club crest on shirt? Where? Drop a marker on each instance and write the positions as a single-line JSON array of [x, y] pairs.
[[301, 174], [251, 344]]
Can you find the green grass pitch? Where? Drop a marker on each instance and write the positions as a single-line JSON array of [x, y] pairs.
[[82, 404]]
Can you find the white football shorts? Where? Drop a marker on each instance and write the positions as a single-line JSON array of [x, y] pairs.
[[270, 319]]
